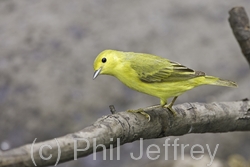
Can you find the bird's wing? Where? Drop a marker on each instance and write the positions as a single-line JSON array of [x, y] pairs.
[[157, 69]]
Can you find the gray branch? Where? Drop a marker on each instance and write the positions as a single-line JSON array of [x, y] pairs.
[[241, 28], [126, 127]]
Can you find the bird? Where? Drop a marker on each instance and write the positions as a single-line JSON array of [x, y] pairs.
[[153, 75]]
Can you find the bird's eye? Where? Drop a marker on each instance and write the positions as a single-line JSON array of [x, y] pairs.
[[104, 60]]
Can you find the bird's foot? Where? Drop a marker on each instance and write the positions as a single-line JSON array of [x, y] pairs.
[[169, 106], [141, 111]]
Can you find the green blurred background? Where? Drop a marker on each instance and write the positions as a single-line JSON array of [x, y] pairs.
[[47, 49]]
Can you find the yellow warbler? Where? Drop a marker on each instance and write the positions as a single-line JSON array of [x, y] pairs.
[[153, 75]]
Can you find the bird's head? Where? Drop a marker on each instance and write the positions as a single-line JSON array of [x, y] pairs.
[[105, 62]]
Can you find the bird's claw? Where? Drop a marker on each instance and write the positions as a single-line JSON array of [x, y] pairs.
[[141, 111], [169, 107]]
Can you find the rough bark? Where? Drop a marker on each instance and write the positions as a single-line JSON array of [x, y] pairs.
[[128, 127], [240, 25]]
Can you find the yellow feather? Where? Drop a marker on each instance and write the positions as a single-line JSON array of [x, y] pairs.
[[151, 74]]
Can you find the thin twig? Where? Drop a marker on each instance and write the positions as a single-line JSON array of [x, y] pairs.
[[112, 109]]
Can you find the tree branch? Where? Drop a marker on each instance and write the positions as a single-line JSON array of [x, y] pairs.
[[240, 25], [125, 127]]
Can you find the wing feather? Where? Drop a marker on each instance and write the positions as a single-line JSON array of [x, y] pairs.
[[156, 69]]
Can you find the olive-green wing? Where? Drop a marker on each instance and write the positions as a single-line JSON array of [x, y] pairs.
[[156, 69]]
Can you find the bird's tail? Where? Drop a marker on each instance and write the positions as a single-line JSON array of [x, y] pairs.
[[221, 82]]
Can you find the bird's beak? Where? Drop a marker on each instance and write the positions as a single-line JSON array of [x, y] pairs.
[[97, 72]]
